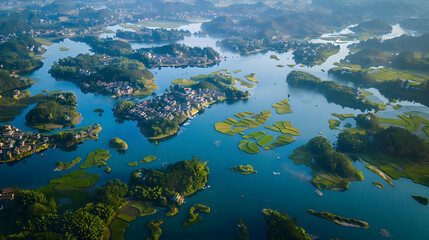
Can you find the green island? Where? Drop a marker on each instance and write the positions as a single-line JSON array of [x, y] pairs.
[[195, 217], [148, 159], [282, 107], [243, 234], [343, 116], [155, 230], [346, 222], [254, 121], [334, 92], [12, 105], [71, 186], [57, 110], [98, 110], [132, 164], [248, 147], [281, 141], [115, 76], [331, 170], [108, 169], [377, 184], [275, 57], [117, 144], [282, 226], [334, 124], [291, 65], [251, 77], [225, 70], [392, 151], [245, 170], [74, 136], [64, 49], [421, 200], [237, 71], [280, 66], [63, 166], [96, 158], [173, 211], [284, 127], [167, 188], [380, 173], [184, 82], [254, 135], [265, 140]]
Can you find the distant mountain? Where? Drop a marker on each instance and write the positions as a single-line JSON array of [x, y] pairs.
[[373, 26], [416, 24]]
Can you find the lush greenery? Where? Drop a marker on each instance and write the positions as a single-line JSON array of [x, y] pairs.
[[195, 217], [17, 54], [155, 229], [245, 170], [62, 166], [153, 35], [339, 220], [283, 107], [8, 82], [117, 143], [421, 200], [373, 26], [96, 158], [148, 159], [280, 226]]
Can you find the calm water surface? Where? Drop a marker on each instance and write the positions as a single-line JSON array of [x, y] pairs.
[[389, 208]]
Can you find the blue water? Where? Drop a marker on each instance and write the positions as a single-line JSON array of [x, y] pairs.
[[389, 208]]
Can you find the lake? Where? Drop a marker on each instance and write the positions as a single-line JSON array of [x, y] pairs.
[[390, 208]]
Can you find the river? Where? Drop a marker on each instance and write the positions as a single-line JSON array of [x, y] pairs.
[[389, 208]]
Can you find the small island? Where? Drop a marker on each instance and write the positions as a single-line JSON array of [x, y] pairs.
[[155, 230], [117, 144], [153, 35], [96, 158], [346, 222], [63, 166], [195, 217], [245, 170], [282, 226], [421, 200]]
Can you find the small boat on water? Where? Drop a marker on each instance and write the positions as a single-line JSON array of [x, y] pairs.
[[276, 173], [278, 158], [319, 192], [242, 195], [206, 187], [320, 133]]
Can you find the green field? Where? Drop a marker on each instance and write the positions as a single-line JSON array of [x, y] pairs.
[[280, 66], [184, 82], [117, 229], [148, 159], [282, 140], [255, 135], [282, 107], [265, 140], [291, 65], [256, 120], [132, 164], [410, 120], [334, 122], [284, 127], [96, 158], [244, 83], [243, 114], [343, 116], [248, 147], [125, 217], [251, 77]]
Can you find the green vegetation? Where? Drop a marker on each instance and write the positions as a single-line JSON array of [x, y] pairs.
[[10, 82], [397, 106], [184, 82], [283, 107], [64, 49], [377, 184], [225, 70], [410, 120], [291, 65], [243, 114], [71, 137], [248, 147], [11, 107], [245, 170], [18, 54], [148, 159], [155, 230], [117, 143], [334, 124], [96, 158], [282, 140], [343, 116], [183, 178], [421, 200], [195, 217], [280, 66], [244, 234], [237, 71], [63, 166], [153, 35], [274, 57], [282, 226], [373, 26], [125, 217], [347, 222], [256, 120], [117, 229], [71, 186], [251, 77], [173, 211], [284, 127], [255, 135], [132, 164], [334, 92], [98, 110], [265, 140], [380, 173], [58, 109]]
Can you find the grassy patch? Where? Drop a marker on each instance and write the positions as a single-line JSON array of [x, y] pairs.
[[195, 217], [343, 116], [251, 77], [237, 71], [284, 127], [245, 170], [132, 164], [334, 122], [274, 57], [280, 66], [117, 228], [377, 184], [282, 140], [282, 107], [125, 217], [397, 106], [248, 147], [255, 135], [184, 82], [265, 140], [96, 158], [148, 159], [225, 70], [291, 65], [243, 114]]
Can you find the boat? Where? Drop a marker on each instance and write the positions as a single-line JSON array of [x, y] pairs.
[[319, 192], [206, 187], [320, 133], [242, 195], [278, 158], [276, 173]]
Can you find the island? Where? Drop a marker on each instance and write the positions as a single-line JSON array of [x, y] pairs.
[[195, 217], [161, 116], [115, 76], [282, 226], [420, 199], [57, 110], [334, 92], [153, 35], [331, 170], [96, 158], [155, 230], [63, 166], [117, 144], [346, 222], [16, 144], [245, 170], [244, 234]]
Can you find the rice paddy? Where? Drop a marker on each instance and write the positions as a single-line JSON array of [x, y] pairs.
[[248, 147], [265, 140], [282, 107], [148, 159], [282, 140], [284, 127]]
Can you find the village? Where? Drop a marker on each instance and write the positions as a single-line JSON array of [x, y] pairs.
[[179, 59], [176, 102]]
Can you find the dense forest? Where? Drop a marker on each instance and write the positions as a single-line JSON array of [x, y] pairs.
[[18, 53], [8, 82]]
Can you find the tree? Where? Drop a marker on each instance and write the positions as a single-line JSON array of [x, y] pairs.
[[319, 144], [112, 193]]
